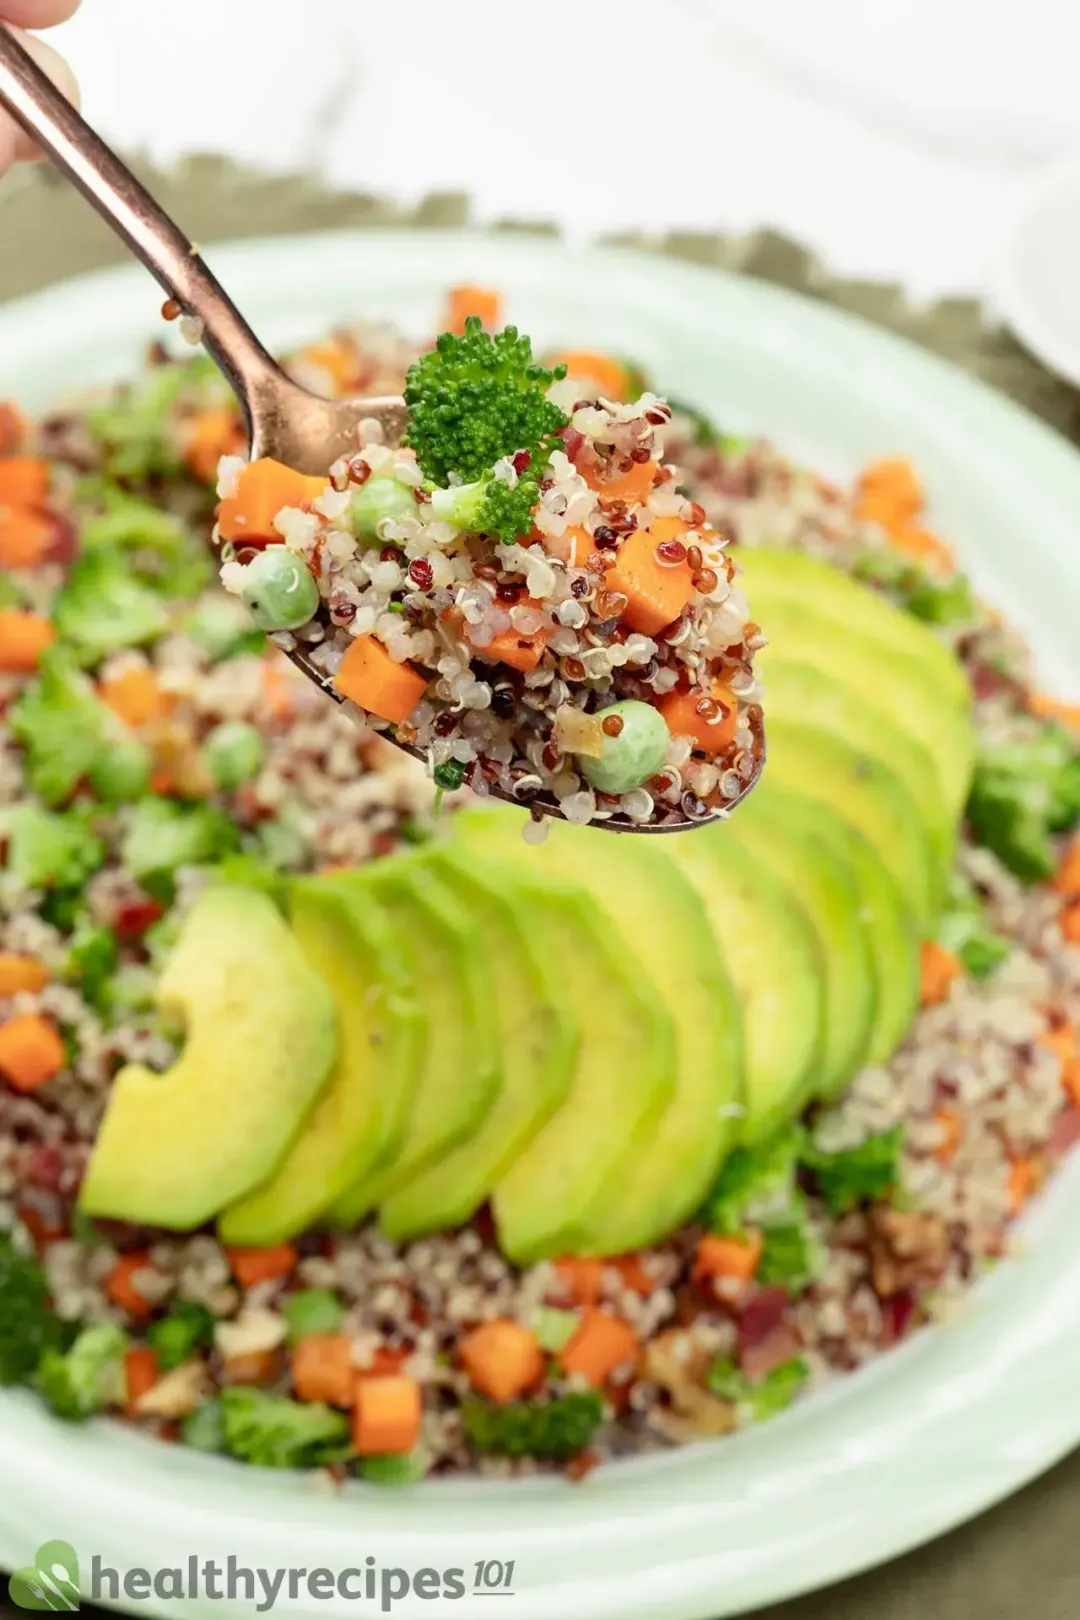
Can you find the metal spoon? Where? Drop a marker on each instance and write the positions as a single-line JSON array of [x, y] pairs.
[[284, 420]]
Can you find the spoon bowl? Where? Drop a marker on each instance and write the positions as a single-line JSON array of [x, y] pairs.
[[284, 420]]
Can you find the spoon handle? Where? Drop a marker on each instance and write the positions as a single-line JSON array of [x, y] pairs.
[[128, 208]]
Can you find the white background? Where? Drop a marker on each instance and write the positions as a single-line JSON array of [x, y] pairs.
[[900, 138]]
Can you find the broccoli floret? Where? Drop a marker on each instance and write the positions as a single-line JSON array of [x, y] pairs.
[[151, 541], [204, 1429], [756, 1185], [47, 850], [935, 601], [164, 835], [222, 628], [791, 1255], [857, 1175], [1021, 795], [176, 1337], [103, 607], [28, 1324], [476, 398], [964, 932], [491, 506], [77, 1383], [271, 1431], [92, 957], [133, 426], [767, 1397], [60, 722], [555, 1429]]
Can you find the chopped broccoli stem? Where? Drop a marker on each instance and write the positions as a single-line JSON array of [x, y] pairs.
[[765, 1398], [312, 1310], [272, 1431], [77, 1383], [49, 850], [61, 724], [491, 506], [28, 1324], [165, 835], [476, 398], [857, 1175], [555, 1328], [176, 1337], [103, 607], [554, 1429]]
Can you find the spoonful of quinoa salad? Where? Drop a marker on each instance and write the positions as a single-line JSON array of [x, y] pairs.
[[502, 578], [518, 593]]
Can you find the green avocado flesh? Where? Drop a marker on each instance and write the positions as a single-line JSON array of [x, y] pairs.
[[174, 1148], [856, 606], [641, 897], [460, 1076], [868, 795], [774, 959], [826, 889], [539, 1036], [358, 1122], [904, 692]]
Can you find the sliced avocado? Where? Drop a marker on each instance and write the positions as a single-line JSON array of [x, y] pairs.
[[556, 1194], [539, 1037], [175, 1148], [826, 889], [868, 795], [460, 1076], [774, 959], [893, 936], [853, 604], [662, 926], [800, 692], [904, 691], [359, 1121]]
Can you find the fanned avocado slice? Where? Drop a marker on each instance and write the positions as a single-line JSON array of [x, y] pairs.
[[538, 1018], [827, 890], [661, 925], [359, 1120], [461, 1076], [774, 959]]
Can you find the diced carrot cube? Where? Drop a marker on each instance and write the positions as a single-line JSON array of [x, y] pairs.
[[599, 1345], [656, 592], [1069, 921], [387, 1413], [951, 1126], [632, 486], [896, 481], [1070, 1079], [736, 1258], [209, 436], [1060, 1037], [322, 1369], [1025, 1174], [370, 678], [939, 969], [264, 488], [24, 638], [24, 480], [338, 360], [137, 696], [925, 547], [484, 302], [31, 1052], [120, 1285], [254, 1367], [574, 546], [140, 1374], [1067, 880], [21, 973], [580, 1278], [26, 537], [611, 377], [252, 1266], [12, 428], [635, 1274], [680, 712], [502, 1359]]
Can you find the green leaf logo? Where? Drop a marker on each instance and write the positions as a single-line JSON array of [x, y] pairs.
[[51, 1582]]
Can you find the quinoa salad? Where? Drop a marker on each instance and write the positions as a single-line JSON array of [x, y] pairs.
[[344, 1129]]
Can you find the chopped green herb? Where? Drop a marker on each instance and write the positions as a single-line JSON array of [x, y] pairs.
[[963, 931], [175, 1338], [103, 607], [61, 724], [92, 957], [557, 1428], [48, 849], [857, 1175], [791, 1256], [165, 835]]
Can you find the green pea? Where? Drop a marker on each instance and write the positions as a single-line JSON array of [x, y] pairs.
[[279, 591], [122, 772], [222, 629], [380, 498], [637, 753], [234, 753]]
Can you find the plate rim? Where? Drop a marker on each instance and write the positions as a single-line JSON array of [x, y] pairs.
[[45, 1466]]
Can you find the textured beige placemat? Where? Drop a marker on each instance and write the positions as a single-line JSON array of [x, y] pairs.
[[1021, 1561]]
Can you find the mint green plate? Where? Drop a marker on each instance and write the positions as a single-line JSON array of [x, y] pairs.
[[887, 1458]]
